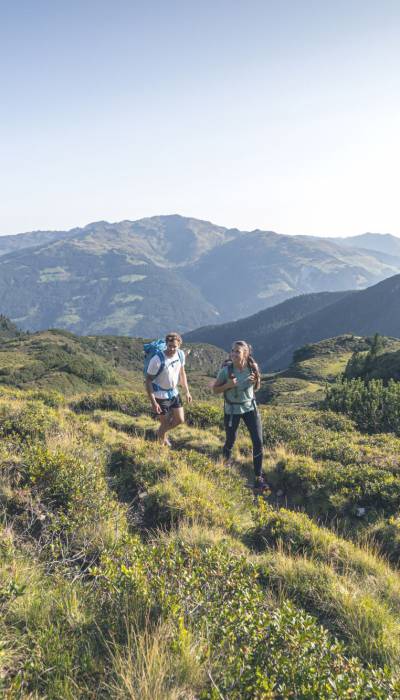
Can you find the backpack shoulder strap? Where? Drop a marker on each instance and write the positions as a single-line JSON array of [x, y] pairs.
[[229, 367], [181, 357], [161, 356]]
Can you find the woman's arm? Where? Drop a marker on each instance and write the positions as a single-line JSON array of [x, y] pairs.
[[246, 383], [220, 386]]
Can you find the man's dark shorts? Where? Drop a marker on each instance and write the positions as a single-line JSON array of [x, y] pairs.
[[167, 404]]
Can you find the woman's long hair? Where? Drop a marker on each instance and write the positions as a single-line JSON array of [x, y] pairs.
[[251, 363]]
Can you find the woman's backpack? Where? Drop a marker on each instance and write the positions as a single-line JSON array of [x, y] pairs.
[[229, 365]]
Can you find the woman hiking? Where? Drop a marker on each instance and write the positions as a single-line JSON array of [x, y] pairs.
[[238, 379]]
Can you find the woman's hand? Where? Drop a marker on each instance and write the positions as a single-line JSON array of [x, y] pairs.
[[231, 383], [252, 378]]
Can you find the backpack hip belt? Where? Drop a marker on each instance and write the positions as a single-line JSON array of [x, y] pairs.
[[238, 403], [171, 392]]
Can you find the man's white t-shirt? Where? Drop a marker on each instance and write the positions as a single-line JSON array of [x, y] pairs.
[[169, 377]]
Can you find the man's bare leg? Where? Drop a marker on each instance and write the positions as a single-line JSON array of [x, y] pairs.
[[164, 419], [171, 420]]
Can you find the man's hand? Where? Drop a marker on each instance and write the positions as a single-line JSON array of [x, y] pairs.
[[189, 397], [156, 407]]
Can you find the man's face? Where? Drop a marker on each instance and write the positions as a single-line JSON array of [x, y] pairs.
[[172, 346]]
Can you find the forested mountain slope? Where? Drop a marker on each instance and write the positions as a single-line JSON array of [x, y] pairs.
[[365, 312], [256, 328]]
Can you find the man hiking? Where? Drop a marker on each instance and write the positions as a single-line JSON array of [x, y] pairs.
[[165, 371]]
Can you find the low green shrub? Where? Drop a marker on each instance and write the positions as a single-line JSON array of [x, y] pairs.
[[50, 397], [374, 407], [319, 435], [32, 420], [296, 534], [386, 534], [254, 651], [130, 402], [204, 415], [307, 432], [298, 478], [51, 645], [136, 467], [334, 489], [72, 496], [351, 611], [208, 497]]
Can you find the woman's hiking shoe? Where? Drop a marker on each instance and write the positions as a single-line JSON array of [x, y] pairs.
[[228, 462], [259, 484]]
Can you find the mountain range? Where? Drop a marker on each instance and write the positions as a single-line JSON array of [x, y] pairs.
[[146, 277], [276, 332]]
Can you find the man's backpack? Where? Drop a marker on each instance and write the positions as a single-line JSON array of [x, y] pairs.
[[157, 348]]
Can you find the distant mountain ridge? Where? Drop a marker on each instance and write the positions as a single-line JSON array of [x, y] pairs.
[[381, 242], [362, 312], [145, 277]]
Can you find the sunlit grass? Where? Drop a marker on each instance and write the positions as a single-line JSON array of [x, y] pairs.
[[87, 500]]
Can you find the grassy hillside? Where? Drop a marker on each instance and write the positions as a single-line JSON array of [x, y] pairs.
[[313, 366], [131, 570], [134, 571], [92, 289], [67, 363]]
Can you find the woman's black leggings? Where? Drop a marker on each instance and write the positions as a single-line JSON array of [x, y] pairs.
[[252, 422]]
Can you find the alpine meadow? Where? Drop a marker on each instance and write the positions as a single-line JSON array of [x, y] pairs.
[[130, 570]]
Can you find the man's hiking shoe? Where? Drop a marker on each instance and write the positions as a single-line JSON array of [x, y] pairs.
[[259, 484], [167, 442]]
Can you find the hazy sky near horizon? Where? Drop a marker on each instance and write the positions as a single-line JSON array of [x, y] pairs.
[[252, 114]]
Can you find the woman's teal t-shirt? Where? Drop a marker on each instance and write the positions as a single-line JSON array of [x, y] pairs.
[[242, 395]]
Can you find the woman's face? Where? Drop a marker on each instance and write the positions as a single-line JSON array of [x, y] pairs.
[[238, 353]]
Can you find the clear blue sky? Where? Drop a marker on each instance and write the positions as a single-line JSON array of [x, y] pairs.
[[254, 114]]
